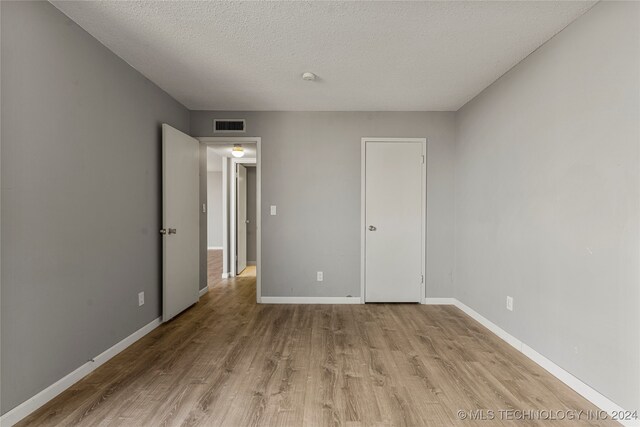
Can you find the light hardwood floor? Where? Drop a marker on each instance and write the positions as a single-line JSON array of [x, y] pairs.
[[214, 266], [228, 361], [250, 271]]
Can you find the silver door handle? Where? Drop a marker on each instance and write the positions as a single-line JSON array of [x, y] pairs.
[[163, 231], [372, 228], [173, 231]]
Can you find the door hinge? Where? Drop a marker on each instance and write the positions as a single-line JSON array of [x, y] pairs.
[[422, 278], [422, 159]]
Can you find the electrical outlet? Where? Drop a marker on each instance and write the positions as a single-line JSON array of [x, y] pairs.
[[320, 276], [510, 303], [140, 299]]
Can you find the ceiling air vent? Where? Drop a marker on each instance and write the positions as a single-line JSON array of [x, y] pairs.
[[228, 125]]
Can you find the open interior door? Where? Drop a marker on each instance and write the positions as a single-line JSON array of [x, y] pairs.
[[180, 221], [242, 219]]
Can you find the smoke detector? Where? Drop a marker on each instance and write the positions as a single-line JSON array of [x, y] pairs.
[[308, 76]]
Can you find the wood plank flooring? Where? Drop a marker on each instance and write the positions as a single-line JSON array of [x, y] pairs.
[[228, 361], [250, 271], [214, 266]]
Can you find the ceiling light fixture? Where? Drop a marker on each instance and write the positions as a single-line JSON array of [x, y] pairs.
[[308, 76], [237, 151]]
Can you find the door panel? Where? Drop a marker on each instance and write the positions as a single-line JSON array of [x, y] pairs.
[[180, 217], [242, 219], [393, 214]]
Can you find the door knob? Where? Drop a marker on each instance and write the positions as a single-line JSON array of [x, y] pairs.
[[173, 231], [163, 231], [372, 228]]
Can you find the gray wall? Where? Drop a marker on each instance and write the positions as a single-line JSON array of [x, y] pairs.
[[214, 209], [80, 197], [547, 201], [252, 241], [311, 171]]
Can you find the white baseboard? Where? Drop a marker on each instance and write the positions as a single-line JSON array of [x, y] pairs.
[[581, 388], [26, 408], [310, 300], [203, 291], [216, 248], [574, 383], [501, 333], [440, 301]]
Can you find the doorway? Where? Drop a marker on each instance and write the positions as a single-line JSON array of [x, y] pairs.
[[393, 220], [239, 250]]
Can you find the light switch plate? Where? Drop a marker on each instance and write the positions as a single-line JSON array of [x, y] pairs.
[[273, 209]]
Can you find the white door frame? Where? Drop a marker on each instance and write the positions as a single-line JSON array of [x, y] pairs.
[[225, 218], [218, 140], [232, 213], [363, 208]]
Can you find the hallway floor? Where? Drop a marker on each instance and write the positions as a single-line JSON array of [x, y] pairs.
[[214, 267], [229, 361], [250, 271]]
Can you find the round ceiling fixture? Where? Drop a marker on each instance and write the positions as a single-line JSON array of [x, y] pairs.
[[308, 76], [237, 151]]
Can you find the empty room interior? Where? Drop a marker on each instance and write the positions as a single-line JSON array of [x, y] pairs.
[[310, 213]]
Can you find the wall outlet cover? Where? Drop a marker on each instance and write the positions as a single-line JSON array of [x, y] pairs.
[[140, 299], [320, 276], [510, 303]]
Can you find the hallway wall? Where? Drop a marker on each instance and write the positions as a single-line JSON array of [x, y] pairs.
[[214, 209]]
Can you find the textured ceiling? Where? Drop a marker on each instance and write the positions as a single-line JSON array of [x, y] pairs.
[[424, 56]]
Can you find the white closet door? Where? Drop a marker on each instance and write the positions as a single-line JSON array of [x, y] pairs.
[[394, 224]]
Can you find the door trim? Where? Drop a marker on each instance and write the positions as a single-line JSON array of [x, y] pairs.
[[363, 206], [233, 213], [215, 140]]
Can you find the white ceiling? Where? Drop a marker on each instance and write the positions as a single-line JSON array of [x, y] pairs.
[[423, 56]]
